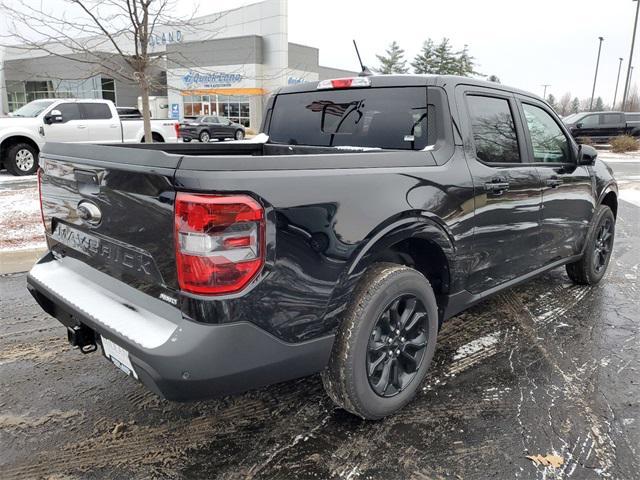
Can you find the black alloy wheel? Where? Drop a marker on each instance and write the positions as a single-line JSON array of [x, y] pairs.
[[397, 346], [603, 246]]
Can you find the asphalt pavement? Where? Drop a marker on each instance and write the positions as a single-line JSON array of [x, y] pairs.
[[546, 368]]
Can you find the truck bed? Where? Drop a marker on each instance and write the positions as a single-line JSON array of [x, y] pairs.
[[241, 156]]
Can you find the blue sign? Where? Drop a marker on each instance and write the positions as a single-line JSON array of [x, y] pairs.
[[210, 79], [175, 111], [295, 80]]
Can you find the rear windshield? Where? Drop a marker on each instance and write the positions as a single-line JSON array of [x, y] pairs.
[[391, 118]]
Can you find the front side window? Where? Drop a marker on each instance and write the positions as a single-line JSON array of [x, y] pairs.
[[494, 130], [550, 145], [590, 121], [69, 111], [390, 118]]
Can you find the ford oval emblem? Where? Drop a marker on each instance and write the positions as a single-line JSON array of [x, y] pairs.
[[89, 212]]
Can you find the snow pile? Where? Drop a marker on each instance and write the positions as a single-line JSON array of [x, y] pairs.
[[6, 177], [628, 184]]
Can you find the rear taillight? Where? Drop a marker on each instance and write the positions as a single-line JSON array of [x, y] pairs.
[[219, 242], [177, 127], [40, 197]]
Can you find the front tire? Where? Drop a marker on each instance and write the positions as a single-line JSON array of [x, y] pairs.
[[204, 137], [590, 269], [21, 159], [385, 344], [239, 135]]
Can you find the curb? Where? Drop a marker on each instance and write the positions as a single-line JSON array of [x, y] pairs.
[[16, 261]]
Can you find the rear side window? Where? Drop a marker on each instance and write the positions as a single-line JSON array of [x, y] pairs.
[[390, 118], [494, 131], [632, 117], [96, 111], [612, 118], [70, 111]]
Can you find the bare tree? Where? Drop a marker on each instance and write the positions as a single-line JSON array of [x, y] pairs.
[[564, 104], [105, 36]]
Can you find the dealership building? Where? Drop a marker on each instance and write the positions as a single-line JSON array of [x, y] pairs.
[[225, 64]]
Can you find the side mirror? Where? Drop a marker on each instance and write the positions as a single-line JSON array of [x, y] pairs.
[[587, 155], [54, 116], [229, 122], [579, 125]]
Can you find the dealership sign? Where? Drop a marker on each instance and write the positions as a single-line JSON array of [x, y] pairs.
[[193, 79], [165, 38]]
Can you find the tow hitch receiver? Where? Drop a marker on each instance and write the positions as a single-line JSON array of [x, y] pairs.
[[82, 337]]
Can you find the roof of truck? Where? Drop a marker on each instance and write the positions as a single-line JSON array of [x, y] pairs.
[[416, 80]]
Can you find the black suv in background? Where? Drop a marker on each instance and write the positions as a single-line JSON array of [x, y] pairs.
[[603, 126], [209, 127]]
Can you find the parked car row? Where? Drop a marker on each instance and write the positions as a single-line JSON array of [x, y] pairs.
[[603, 126], [24, 133]]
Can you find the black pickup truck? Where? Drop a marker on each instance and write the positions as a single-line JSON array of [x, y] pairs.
[[369, 210], [603, 126]]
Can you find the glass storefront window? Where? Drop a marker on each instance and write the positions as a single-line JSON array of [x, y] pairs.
[[234, 107], [20, 93]]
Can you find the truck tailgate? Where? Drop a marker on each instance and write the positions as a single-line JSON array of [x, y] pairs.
[[112, 208]]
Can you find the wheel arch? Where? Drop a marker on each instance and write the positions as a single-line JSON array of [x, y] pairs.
[[609, 197], [415, 239], [8, 141]]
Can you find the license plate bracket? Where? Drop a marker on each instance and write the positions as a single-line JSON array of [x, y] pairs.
[[118, 356]]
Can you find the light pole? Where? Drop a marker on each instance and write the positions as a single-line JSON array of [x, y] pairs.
[[544, 94], [595, 77], [627, 83], [615, 95]]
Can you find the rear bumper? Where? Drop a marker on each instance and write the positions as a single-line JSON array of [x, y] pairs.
[[174, 357]]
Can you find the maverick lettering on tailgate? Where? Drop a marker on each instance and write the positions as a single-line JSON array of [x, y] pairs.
[[113, 255]]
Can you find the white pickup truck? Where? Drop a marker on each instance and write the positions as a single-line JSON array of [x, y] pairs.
[[23, 134]]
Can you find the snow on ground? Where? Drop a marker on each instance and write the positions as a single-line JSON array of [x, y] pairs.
[[20, 222], [6, 177], [629, 181], [610, 157], [630, 195]]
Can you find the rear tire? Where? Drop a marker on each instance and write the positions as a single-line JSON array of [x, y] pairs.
[[204, 137], [21, 159], [590, 269], [370, 373]]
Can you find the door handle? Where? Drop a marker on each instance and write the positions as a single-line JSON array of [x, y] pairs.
[[554, 182], [496, 187], [82, 126], [113, 126]]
